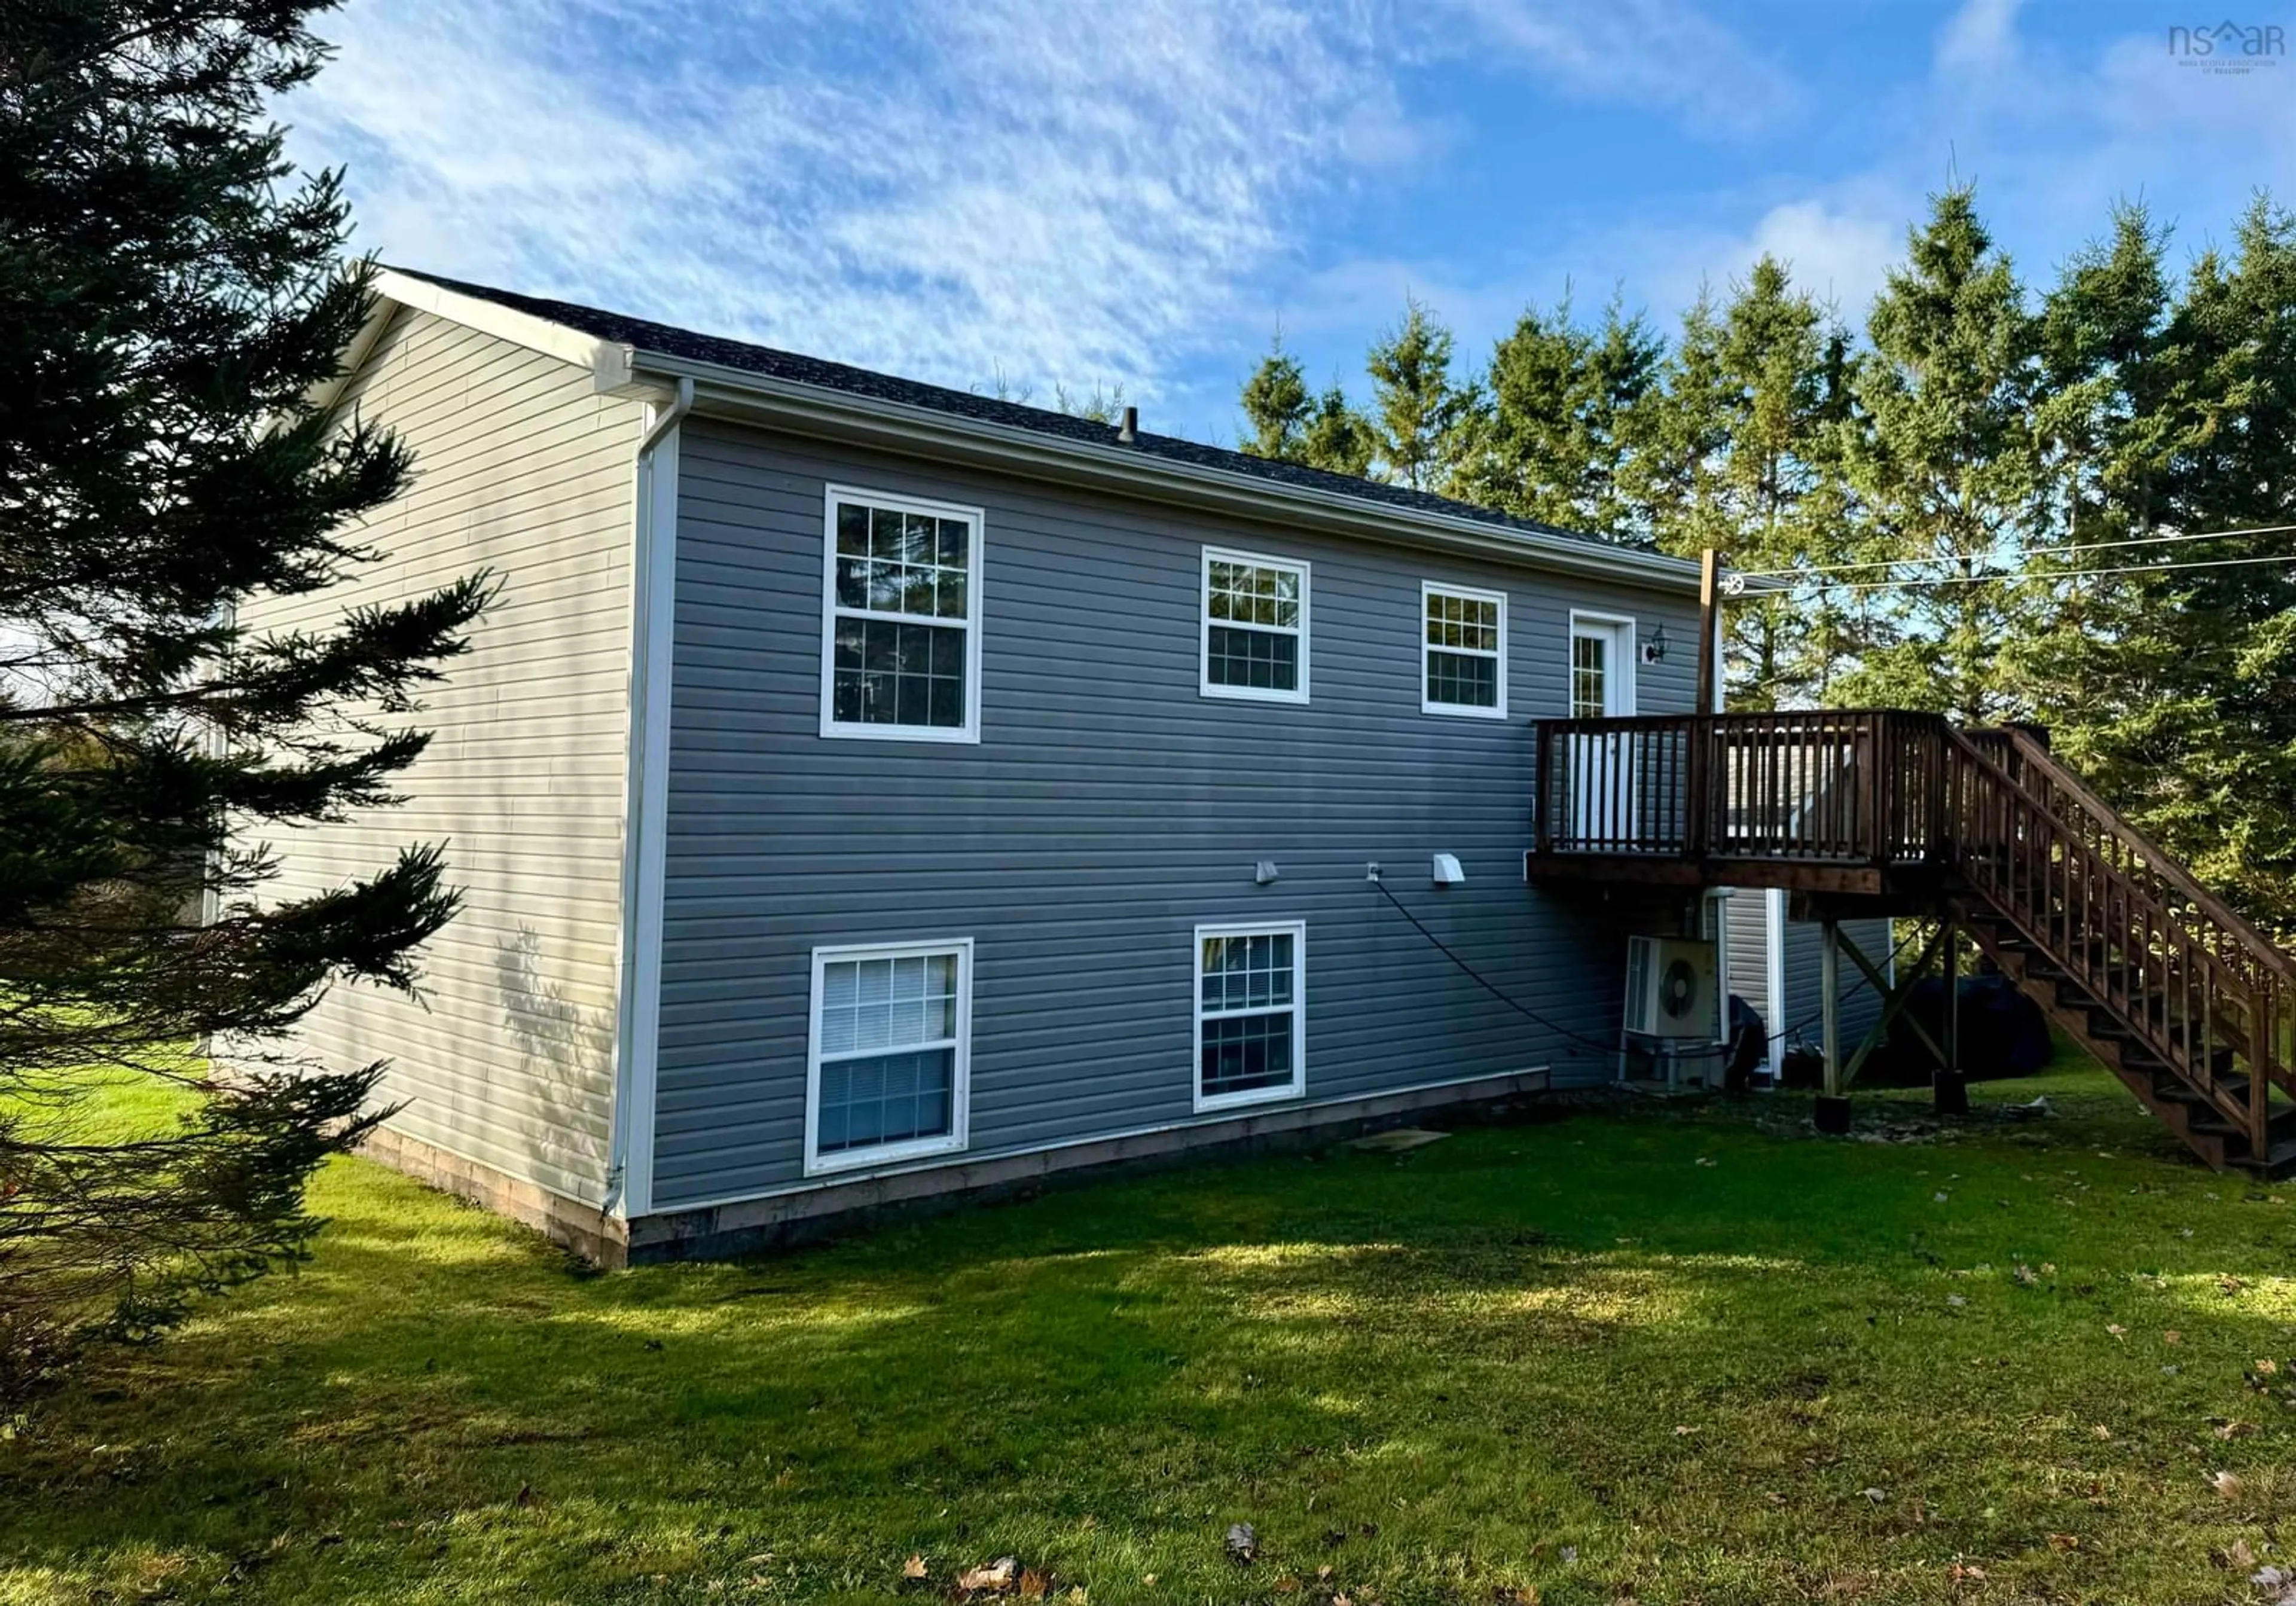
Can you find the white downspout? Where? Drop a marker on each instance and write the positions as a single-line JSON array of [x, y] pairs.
[[645, 791]]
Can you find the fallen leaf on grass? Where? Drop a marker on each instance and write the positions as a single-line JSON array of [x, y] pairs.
[[2268, 1366], [2241, 1554], [998, 1576], [913, 1568], [2116, 1331], [2102, 1431], [1287, 1586], [2232, 1285], [2064, 1541], [2172, 1336], [2026, 1276], [2227, 1485], [1958, 1572], [1876, 1496], [1679, 1427], [1032, 1585], [2235, 1430]]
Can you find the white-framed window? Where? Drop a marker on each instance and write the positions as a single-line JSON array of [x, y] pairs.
[[900, 618], [888, 1067], [1463, 651], [1251, 1013], [1255, 626]]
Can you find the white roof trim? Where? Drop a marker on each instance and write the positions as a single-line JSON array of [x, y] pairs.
[[491, 317], [609, 364]]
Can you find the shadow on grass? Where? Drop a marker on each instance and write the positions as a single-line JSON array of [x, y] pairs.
[[1685, 1348]]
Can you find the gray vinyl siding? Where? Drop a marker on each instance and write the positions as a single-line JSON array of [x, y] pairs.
[[1107, 810], [522, 468], [1804, 996]]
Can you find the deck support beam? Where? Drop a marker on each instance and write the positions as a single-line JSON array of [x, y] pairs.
[[1833, 1114]]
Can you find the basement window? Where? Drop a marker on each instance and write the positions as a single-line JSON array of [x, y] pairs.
[[1251, 1013], [1255, 626], [1463, 652], [900, 618], [887, 1077]]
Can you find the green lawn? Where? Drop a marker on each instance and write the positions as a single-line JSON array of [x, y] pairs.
[[1676, 1355]]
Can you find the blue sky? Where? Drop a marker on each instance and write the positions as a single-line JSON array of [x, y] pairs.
[[1064, 193]]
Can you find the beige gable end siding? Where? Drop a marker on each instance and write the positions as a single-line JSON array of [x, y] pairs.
[[522, 468]]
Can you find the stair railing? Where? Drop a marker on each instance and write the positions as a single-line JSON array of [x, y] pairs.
[[2172, 966]]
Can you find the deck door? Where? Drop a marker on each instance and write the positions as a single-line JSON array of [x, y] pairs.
[[1602, 687]]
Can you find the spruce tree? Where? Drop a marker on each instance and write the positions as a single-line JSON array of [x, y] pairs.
[[1740, 452], [1566, 410], [170, 295], [1289, 423], [1419, 410], [1942, 456], [2175, 414]]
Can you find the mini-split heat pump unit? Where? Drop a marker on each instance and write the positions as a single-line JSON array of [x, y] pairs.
[[1670, 990]]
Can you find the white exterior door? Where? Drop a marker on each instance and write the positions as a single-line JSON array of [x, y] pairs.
[[1602, 687]]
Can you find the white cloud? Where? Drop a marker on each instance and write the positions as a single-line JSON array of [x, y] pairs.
[[1053, 193], [1032, 189], [1644, 53], [1839, 250], [1981, 36]]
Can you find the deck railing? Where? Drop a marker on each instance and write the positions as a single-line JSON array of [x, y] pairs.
[[1861, 786], [2201, 991]]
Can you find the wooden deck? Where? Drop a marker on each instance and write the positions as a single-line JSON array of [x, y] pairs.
[[1886, 810]]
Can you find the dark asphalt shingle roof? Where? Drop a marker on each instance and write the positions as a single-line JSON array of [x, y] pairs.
[[671, 342]]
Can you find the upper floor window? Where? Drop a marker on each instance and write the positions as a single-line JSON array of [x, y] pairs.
[[901, 614], [1463, 652], [1255, 626]]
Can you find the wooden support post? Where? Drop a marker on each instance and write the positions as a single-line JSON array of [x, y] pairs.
[[1952, 995], [1708, 630], [1949, 1088], [1832, 1111], [1829, 999]]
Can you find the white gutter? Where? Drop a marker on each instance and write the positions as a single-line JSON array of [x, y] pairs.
[[646, 798]]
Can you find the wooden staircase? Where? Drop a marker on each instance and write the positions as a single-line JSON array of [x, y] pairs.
[[2184, 1001]]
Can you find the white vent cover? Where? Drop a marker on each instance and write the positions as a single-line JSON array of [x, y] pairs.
[[1670, 989]]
